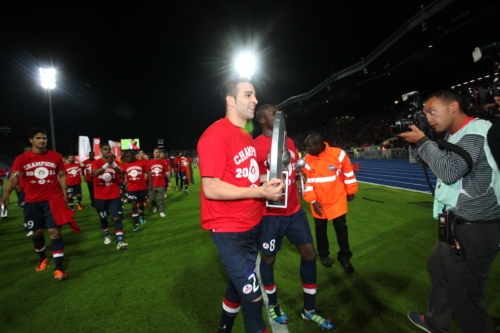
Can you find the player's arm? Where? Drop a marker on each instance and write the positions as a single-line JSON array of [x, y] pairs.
[[150, 179], [10, 186], [63, 184], [217, 189]]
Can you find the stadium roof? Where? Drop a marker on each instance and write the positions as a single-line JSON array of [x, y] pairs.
[[431, 51]]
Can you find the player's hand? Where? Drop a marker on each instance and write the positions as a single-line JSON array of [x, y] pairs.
[[272, 190], [4, 201], [413, 136], [19, 188], [299, 173], [318, 208], [350, 197]]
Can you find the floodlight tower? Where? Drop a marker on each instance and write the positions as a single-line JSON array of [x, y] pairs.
[[48, 82], [245, 64]]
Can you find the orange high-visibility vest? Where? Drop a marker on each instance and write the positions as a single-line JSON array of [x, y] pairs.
[[330, 179]]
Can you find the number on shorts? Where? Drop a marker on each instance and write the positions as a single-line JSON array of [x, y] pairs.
[[103, 214], [271, 245]]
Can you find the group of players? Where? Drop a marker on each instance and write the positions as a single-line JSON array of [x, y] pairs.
[[48, 184]]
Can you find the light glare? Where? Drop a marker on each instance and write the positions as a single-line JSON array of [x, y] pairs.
[[245, 65], [48, 78]]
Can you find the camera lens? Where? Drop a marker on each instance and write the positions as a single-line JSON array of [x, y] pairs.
[[400, 126]]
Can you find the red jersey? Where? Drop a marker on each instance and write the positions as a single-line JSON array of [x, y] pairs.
[[88, 170], [158, 169], [73, 173], [169, 164], [107, 184], [263, 145], [184, 161], [177, 162], [136, 174], [40, 173], [227, 152]]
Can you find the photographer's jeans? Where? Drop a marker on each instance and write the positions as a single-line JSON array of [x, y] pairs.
[[340, 225], [458, 284]]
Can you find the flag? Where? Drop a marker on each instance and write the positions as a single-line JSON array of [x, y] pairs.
[[83, 147]]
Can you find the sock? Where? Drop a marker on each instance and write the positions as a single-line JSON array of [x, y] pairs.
[[119, 230], [267, 276], [229, 313], [252, 314], [141, 211], [135, 215], [104, 224], [40, 246], [79, 199], [106, 231], [309, 285], [58, 252], [70, 202]]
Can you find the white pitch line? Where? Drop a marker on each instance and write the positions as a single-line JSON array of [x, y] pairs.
[[399, 188], [394, 181], [390, 176], [275, 327]]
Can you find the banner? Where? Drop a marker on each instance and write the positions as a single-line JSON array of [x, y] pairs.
[[97, 148], [115, 148], [83, 147]]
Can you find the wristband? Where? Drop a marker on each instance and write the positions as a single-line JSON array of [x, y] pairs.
[[312, 202], [114, 165], [105, 166]]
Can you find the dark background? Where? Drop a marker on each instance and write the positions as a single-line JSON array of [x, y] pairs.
[[155, 71]]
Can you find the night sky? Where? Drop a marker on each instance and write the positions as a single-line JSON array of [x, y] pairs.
[[155, 71]]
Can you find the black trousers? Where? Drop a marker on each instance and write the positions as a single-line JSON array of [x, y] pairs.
[[340, 225], [458, 283], [90, 185]]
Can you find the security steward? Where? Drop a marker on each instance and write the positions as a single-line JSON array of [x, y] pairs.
[[331, 183]]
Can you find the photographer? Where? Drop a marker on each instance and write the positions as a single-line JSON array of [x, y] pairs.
[[468, 199]]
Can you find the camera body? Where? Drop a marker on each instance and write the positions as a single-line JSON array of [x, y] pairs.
[[416, 116]]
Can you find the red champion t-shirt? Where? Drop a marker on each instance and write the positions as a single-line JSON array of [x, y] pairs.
[[73, 174], [168, 163], [88, 170], [177, 161], [136, 174], [158, 169], [263, 145], [184, 161], [227, 152], [40, 174], [107, 184]]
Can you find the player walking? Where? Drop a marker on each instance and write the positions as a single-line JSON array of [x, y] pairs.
[[136, 172], [290, 222], [107, 194], [74, 180], [231, 203], [46, 198], [158, 170], [89, 177]]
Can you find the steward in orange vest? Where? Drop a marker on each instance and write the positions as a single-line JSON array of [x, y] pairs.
[[330, 184]]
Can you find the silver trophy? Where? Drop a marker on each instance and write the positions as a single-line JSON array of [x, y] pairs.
[[299, 165], [279, 159]]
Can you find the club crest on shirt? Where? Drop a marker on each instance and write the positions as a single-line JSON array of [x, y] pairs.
[[331, 167]]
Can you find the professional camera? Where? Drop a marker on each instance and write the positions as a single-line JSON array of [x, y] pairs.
[[416, 117], [479, 96]]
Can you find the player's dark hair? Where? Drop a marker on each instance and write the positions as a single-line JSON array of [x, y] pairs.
[[448, 96], [230, 88], [262, 109], [104, 145], [35, 130]]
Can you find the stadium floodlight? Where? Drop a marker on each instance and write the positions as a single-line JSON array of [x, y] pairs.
[[48, 82], [245, 64]]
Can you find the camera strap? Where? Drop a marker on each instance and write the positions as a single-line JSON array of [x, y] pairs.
[[443, 144]]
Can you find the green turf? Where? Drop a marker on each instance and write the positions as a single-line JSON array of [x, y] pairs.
[[171, 280]]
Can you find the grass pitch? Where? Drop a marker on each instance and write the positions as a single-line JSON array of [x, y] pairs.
[[171, 279]]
